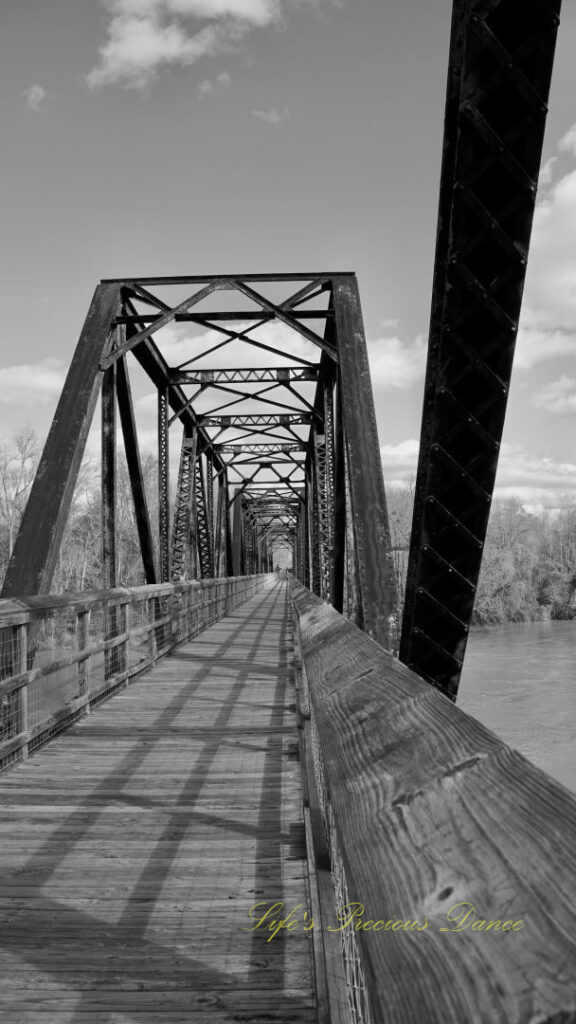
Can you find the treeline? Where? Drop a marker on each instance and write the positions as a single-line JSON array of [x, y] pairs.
[[79, 565], [529, 561], [528, 568]]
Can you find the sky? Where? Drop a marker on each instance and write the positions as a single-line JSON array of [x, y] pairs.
[[172, 137]]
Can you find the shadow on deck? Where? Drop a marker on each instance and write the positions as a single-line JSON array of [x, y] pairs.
[[134, 845]]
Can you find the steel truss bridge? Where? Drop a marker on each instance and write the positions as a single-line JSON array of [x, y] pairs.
[[300, 754]]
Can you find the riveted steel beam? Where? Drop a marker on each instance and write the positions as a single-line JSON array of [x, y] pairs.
[[501, 56], [37, 545]]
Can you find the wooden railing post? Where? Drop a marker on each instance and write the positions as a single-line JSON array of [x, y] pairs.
[[122, 627], [152, 647], [82, 633]]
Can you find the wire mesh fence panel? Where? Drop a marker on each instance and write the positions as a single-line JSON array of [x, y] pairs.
[[194, 614], [95, 663], [11, 701], [179, 614], [96, 628], [138, 644], [115, 630], [159, 609], [52, 662]]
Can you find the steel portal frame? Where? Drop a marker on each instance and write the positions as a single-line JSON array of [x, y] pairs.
[[255, 438]]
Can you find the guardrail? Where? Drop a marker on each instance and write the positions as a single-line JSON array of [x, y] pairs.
[[61, 655], [452, 857]]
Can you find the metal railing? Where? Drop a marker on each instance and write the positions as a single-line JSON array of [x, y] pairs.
[[60, 655]]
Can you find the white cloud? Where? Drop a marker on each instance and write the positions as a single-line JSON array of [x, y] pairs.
[[34, 97], [558, 397], [567, 143], [396, 365], [532, 479], [272, 115], [138, 48], [551, 276], [547, 171], [210, 86], [537, 344], [548, 321], [145, 36], [257, 12], [31, 385], [399, 461]]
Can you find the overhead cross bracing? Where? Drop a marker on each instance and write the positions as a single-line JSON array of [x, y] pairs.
[[266, 437]]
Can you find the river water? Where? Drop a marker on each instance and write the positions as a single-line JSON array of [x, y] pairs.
[[518, 680]]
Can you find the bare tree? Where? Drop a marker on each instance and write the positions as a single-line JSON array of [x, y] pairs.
[[18, 462]]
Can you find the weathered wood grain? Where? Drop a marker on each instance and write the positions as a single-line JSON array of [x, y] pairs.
[[79, 663], [431, 811], [133, 846]]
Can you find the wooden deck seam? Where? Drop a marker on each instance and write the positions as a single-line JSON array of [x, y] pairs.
[[114, 899]]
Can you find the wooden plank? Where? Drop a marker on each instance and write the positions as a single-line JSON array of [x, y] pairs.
[[133, 847], [437, 818]]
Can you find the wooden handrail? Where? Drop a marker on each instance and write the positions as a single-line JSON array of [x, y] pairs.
[[436, 826], [45, 685]]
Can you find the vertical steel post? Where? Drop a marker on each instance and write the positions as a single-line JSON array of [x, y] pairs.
[[329, 469], [163, 486], [210, 507], [313, 517], [183, 505], [108, 406], [376, 577], [131, 447], [237, 554], [339, 506]]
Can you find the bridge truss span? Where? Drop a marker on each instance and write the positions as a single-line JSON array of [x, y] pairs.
[[266, 442]]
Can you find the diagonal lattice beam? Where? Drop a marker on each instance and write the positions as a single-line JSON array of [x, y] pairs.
[[498, 82], [181, 567]]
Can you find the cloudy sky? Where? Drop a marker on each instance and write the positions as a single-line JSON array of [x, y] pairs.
[[145, 137]]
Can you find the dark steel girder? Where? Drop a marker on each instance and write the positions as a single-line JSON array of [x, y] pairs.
[[249, 421], [222, 315], [37, 545], [254, 375], [501, 56]]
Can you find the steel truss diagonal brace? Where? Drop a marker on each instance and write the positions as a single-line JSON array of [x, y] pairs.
[[501, 55], [203, 532], [376, 576], [38, 543]]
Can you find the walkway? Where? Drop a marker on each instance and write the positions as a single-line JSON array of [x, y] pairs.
[[133, 846]]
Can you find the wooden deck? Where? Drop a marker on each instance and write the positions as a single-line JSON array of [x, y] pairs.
[[133, 846]]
